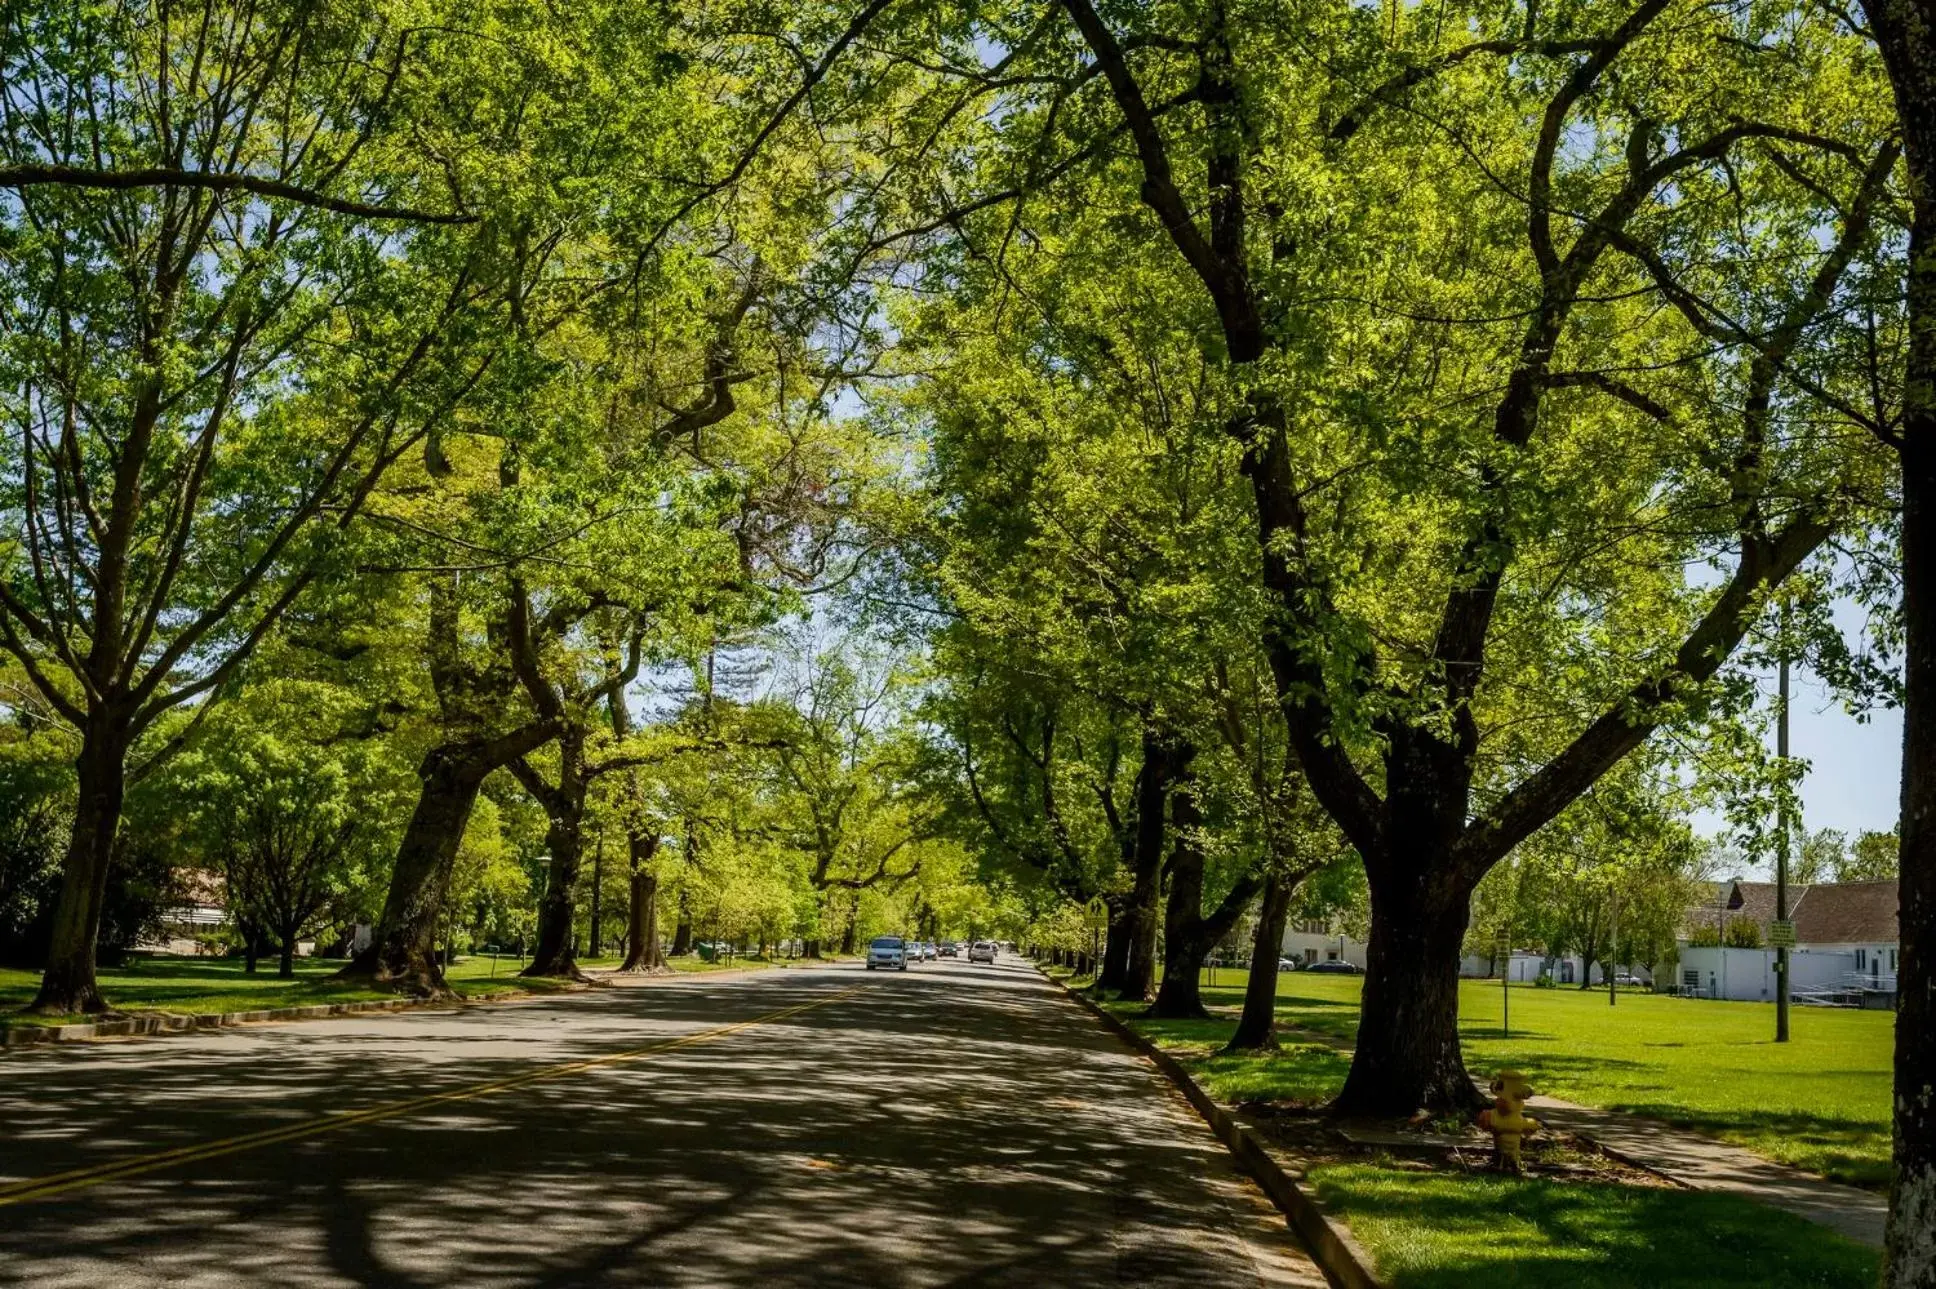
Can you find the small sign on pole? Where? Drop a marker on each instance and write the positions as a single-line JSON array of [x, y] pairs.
[[1781, 934], [1096, 914]]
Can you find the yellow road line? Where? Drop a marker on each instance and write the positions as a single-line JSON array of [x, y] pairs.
[[39, 1188]]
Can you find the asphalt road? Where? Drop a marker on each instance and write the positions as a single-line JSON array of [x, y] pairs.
[[954, 1125]]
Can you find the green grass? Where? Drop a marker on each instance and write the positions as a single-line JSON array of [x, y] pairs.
[[208, 985], [1819, 1102], [1439, 1231]]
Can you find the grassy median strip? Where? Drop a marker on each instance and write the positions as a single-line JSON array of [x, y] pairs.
[[32, 1189]]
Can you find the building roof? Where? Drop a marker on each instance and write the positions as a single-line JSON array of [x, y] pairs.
[[1823, 913]]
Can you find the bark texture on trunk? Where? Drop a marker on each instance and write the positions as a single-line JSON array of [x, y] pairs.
[[1255, 1030], [1189, 935], [556, 951], [69, 985], [1115, 948], [1408, 1052], [643, 954], [1905, 31], [682, 929], [1153, 785], [403, 948]]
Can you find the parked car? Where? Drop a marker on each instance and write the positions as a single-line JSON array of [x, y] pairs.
[[1335, 967], [982, 951], [887, 952], [1289, 964], [949, 949]]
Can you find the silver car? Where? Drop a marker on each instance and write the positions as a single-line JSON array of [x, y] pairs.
[[982, 951], [888, 953]]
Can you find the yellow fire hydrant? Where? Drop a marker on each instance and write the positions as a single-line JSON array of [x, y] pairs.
[[1507, 1120]]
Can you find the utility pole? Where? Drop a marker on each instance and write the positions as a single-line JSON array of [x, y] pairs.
[[1781, 843]]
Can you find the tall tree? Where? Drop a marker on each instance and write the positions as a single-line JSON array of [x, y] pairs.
[[219, 330], [1905, 31]]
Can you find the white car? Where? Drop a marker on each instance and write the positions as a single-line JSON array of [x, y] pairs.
[[982, 951], [888, 953]]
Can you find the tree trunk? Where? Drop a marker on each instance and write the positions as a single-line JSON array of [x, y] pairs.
[[251, 947], [642, 952], [1408, 1052], [1189, 936], [812, 948], [555, 954], [68, 985], [1905, 32], [1255, 1027], [1152, 788], [402, 952], [597, 945], [286, 960], [847, 937], [682, 930], [1115, 948]]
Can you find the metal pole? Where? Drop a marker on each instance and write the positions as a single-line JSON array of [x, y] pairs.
[[1613, 943], [1781, 845]]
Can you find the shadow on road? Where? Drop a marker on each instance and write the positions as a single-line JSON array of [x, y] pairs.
[[949, 1126]]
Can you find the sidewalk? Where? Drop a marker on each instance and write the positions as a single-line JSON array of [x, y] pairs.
[[1702, 1163]]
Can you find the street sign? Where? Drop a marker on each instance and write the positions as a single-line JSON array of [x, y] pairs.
[[1096, 915], [1781, 934]]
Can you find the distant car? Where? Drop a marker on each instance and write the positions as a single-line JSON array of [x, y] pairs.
[[1335, 967], [982, 951], [1627, 978], [1289, 964], [929, 950], [888, 953], [949, 949]]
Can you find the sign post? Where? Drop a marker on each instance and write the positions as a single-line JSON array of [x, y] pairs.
[[1505, 987]]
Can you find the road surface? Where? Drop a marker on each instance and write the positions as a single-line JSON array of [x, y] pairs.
[[830, 1126]]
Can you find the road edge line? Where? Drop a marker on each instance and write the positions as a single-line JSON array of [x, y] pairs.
[[1328, 1240]]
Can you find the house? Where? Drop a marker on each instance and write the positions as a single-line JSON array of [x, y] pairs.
[[1846, 942], [1316, 941], [186, 927]]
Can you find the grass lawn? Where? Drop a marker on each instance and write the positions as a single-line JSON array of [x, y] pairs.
[[196, 985], [1819, 1102], [1434, 1231]]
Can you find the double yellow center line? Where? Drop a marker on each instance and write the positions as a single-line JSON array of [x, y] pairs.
[[39, 1188]]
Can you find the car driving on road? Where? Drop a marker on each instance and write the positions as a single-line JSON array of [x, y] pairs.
[[887, 952], [982, 951]]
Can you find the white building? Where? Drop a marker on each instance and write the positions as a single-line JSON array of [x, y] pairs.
[[1846, 943], [1308, 942]]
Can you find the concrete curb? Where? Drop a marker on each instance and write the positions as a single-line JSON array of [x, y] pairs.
[[1342, 1259]]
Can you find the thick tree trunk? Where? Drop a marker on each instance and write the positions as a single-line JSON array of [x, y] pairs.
[[1188, 935], [642, 954], [812, 948], [403, 950], [1905, 31], [1115, 948], [68, 984], [597, 944], [1408, 1053], [1152, 789], [286, 960], [848, 937], [556, 952], [682, 929], [1255, 1027]]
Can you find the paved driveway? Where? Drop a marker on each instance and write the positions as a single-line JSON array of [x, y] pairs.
[[953, 1125]]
